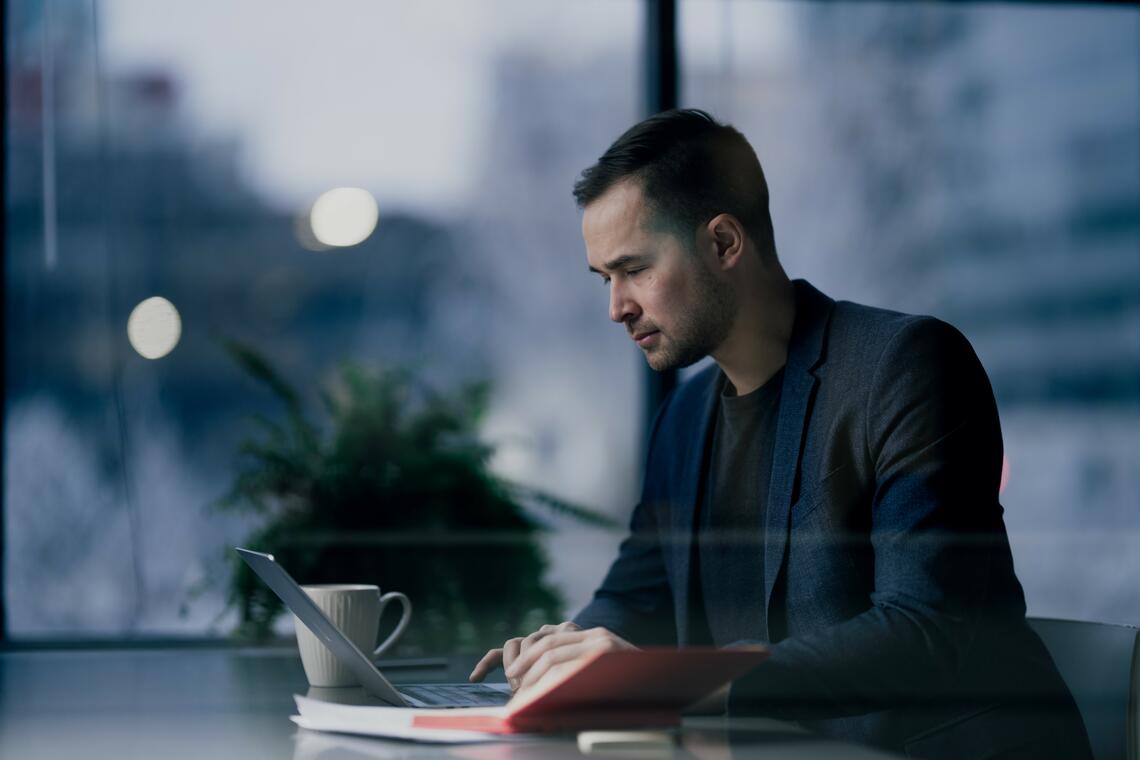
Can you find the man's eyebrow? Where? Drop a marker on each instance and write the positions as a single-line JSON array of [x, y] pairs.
[[623, 261]]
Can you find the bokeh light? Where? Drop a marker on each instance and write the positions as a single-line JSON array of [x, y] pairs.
[[344, 216], [303, 231], [154, 328]]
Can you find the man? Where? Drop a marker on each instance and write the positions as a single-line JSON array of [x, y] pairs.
[[829, 488]]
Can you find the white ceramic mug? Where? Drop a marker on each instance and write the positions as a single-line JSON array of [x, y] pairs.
[[355, 609]]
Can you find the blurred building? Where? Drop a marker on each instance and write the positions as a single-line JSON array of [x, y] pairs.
[[115, 198]]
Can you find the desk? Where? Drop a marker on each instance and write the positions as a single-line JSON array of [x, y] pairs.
[[170, 704]]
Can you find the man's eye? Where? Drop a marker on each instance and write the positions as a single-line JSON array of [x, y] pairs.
[[632, 272]]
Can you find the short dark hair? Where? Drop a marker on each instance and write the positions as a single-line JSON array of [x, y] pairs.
[[690, 168]]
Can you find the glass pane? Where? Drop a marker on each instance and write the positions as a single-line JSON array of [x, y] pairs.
[[980, 163], [185, 151]]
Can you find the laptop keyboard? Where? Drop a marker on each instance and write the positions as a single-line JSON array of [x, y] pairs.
[[456, 694]]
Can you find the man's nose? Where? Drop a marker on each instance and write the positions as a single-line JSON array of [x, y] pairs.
[[622, 307]]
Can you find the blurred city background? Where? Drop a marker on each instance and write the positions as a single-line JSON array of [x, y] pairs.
[[979, 162]]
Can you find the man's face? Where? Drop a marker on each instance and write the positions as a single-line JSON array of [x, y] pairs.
[[667, 295]]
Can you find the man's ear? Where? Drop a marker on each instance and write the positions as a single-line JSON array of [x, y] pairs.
[[727, 234]]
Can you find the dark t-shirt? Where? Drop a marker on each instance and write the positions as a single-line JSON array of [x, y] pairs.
[[728, 555]]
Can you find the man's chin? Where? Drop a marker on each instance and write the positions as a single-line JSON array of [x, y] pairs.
[[663, 361]]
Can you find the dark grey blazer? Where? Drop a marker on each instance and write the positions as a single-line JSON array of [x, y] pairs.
[[894, 613]]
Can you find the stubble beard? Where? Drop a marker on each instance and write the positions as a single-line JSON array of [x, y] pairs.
[[700, 329]]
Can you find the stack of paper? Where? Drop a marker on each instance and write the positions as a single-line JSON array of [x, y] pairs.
[[392, 722]]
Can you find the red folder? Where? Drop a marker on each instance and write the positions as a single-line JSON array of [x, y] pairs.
[[624, 689]]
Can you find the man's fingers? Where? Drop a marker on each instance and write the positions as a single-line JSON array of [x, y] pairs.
[[528, 657], [550, 675], [490, 661], [512, 650], [545, 631], [510, 654], [551, 660], [558, 649], [529, 641]]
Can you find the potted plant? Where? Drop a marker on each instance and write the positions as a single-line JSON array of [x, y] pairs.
[[393, 490]]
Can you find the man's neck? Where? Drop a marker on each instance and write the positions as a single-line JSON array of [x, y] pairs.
[[757, 346]]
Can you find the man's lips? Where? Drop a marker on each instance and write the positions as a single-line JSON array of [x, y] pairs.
[[644, 339]]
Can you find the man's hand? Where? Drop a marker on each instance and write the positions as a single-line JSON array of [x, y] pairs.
[[560, 651], [546, 653], [510, 651]]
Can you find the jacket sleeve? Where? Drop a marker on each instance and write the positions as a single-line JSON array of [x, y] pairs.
[[635, 600], [936, 534]]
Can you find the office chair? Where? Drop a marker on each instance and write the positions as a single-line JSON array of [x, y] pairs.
[[1101, 665]]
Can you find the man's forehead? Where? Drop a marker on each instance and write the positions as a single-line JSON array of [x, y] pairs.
[[623, 202], [614, 224]]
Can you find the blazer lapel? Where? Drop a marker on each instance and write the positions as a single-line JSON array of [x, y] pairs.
[[805, 352], [692, 482]]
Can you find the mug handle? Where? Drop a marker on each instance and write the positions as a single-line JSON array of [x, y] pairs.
[[404, 620]]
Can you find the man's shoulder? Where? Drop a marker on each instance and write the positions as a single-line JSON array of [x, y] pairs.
[[879, 356], [871, 322], [850, 347], [864, 334], [827, 329]]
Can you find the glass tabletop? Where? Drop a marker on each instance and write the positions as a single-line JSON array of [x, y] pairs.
[[234, 702]]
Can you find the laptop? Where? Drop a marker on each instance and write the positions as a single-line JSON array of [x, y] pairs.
[[370, 677]]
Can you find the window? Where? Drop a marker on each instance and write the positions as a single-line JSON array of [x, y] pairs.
[[179, 151], [977, 162]]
